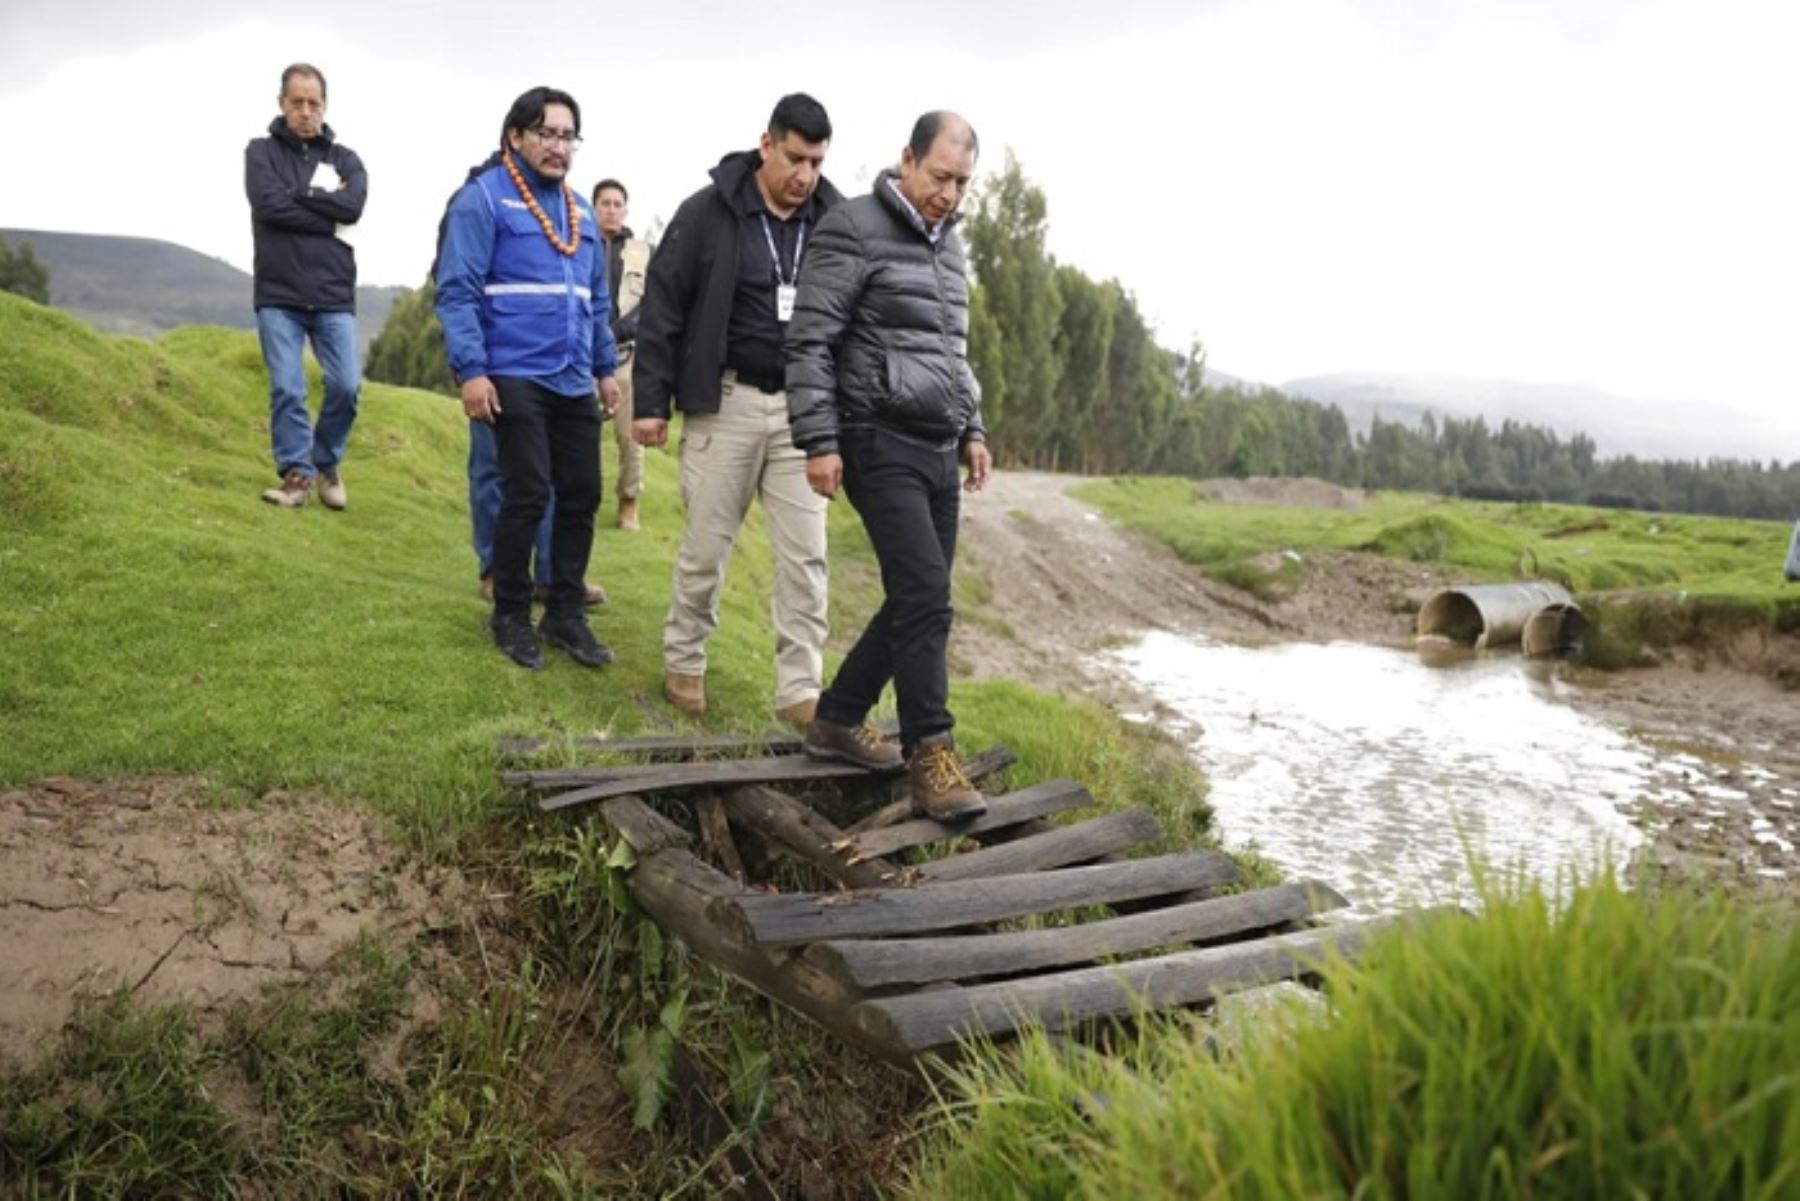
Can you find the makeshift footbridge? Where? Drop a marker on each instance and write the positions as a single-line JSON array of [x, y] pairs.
[[1025, 919]]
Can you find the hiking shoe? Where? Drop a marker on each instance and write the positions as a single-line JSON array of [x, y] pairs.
[[687, 693], [572, 635], [940, 790], [591, 595], [798, 715], [331, 491], [628, 517], [292, 492], [516, 641], [487, 587], [862, 745]]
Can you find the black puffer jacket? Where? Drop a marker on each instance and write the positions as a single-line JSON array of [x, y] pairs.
[[300, 261], [880, 334], [686, 312]]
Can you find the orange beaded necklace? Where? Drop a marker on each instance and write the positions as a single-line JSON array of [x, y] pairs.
[[568, 248]]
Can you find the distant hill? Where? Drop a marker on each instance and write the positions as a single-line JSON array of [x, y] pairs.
[[1618, 425], [146, 287]]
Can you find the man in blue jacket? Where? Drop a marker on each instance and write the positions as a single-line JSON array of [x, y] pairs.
[[521, 294], [306, 188]]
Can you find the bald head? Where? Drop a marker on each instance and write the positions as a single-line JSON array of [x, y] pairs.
[[937, 164], [941, 123]]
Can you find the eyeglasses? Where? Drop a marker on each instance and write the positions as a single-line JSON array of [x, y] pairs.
[[571, 140]]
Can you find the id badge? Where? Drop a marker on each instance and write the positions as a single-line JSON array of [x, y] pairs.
[[784, 302]]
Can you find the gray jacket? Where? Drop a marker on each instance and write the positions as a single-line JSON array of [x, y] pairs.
[[880, 332]]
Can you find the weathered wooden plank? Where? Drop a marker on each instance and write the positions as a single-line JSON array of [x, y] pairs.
[[663, 746], [643, 827], [934, 1020], [787, 822], [715, 834], [1082, 842], [886, 962], [668, 777], [1009, 809], [773, 920]]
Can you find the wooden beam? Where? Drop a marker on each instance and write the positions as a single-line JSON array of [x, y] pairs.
[[643, 827], [660, 746], [884, 963], [782, 820], [1009, 809], [773, 920], [935, 1020], [1082, 842], [715, 834], [597, 784]]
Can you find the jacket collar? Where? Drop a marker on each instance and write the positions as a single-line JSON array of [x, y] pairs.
[[735, 169], [278, 129], [887, 190]]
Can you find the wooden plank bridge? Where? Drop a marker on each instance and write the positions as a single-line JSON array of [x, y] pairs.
[[1026, 920]]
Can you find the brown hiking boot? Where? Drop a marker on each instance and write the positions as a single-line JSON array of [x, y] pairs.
[[292, 492], [862, 745], [940, 790], [487, 587], [687, 693], [798, 715], [331, 491], [628, 518]]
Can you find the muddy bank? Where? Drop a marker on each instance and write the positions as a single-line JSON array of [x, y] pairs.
[[1065, 583]]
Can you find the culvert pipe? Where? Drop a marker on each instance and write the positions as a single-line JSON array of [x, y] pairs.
[[1554, 630], [1483, 615]]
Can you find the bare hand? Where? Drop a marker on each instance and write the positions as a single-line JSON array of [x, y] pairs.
[[609, 396], [480, 401], [976, 458], [650, 431], [825, 474]]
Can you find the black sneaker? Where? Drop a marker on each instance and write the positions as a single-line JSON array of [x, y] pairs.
[[514, 638], [572, 635]]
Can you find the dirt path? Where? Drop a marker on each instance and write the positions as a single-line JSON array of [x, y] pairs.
[[1066, 583]]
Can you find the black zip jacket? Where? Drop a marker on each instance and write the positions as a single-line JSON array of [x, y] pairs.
[[686, 311], [880, 335], [300, 263]]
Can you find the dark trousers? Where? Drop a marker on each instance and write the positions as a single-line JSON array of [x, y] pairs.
[[546, 441], [908, 497]]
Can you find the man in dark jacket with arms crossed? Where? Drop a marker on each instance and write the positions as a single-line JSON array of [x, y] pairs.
[[882, 401], [305, 189]]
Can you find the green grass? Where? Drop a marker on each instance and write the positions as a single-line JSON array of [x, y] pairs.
[[1621, 1046], [158, 618], [1645, 578]]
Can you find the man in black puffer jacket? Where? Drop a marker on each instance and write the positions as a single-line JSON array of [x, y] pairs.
[[882, 401]]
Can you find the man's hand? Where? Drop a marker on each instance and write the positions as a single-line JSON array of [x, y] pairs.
[[479, 399], [825, 473], [609, 395], [650, 431], [976, 458]]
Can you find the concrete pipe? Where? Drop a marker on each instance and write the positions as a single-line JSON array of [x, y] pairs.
[[1483, 615], [1554, 630]]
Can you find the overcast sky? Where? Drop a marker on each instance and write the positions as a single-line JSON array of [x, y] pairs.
[[1586, 191]]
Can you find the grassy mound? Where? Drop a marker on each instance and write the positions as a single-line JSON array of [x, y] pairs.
[[1622, 1046]]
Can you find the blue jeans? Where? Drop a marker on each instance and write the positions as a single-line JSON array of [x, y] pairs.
[[299, 445], [485, 498]]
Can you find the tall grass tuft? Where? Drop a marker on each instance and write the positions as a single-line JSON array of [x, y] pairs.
[[1623, 1045]]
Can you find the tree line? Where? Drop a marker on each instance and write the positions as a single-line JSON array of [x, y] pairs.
[[1073, 379], [21, 271]]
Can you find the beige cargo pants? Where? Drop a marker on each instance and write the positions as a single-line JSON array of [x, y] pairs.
[[727, 458], [631, 455]]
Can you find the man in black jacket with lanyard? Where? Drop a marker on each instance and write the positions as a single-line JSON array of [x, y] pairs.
[[883, 403], [719, 293], [306, 188]]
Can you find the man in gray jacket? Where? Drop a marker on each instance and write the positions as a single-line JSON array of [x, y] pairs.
[[883, 403]]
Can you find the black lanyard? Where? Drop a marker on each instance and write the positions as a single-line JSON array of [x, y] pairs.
[[799, 249]]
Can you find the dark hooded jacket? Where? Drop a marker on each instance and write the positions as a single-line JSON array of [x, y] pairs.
[[301, 263], [880, 335], [686, 312]]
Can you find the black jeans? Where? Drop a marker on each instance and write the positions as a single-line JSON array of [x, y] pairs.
[[545, 440], [908, 496]]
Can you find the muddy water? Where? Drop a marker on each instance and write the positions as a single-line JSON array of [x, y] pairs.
[[1379, 771]]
